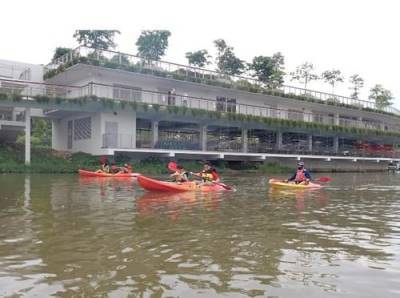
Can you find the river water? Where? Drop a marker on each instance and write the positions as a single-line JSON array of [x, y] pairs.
[[64, 236]]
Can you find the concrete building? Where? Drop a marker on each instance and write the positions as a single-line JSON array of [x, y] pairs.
[[106, 102]]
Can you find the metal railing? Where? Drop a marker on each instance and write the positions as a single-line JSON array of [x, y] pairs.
[[135, 63], [126, 141], [164, 101]]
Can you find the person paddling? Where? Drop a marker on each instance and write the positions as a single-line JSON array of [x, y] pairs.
[[209, 174], [180, 175], [301, 176]]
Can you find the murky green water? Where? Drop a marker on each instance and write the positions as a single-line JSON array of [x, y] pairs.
[[70, 237]]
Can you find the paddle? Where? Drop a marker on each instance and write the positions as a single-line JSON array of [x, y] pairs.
[[324, 179], [172, 166], [227, 187]]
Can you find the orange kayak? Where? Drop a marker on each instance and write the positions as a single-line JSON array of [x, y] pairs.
[[282, 184], [162, 186], [85, 173]]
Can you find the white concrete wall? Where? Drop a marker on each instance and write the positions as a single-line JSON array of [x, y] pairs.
[[21, 71], [126, 131], [82, 74]]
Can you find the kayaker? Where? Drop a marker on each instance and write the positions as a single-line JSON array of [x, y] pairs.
[[208, 174], [115, 169], [104, 167], [180, 175], [127, 168], [301, 176]]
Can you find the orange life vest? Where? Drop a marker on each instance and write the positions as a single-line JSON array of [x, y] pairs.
[[300, 176]]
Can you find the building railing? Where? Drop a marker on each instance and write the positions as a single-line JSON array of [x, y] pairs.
[[126, 141], [113, 59], [164, 101]]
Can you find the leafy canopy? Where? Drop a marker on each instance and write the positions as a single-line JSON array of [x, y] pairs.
[[198, 58], [381, 96], [357, 83], [60, 51], [304, 74], [99, 39], [152, 44], [227, 61], [269, 70], [332, 77]]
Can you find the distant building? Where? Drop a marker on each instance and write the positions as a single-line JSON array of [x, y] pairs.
[[105, 102]]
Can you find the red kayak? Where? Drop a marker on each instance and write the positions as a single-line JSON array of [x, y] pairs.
[[162, 186], [85, 173]]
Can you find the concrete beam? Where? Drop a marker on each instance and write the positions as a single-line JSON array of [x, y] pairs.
[[28, 136], [154, 130], [245, 141]]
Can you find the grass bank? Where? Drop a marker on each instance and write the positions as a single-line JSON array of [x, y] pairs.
[[45, 160]]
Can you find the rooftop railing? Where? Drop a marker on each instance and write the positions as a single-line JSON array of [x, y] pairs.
[[129, 62], [164, 101]]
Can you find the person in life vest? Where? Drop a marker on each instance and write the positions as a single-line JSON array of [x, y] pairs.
[[180, 175], [208, 174], [301, 176]]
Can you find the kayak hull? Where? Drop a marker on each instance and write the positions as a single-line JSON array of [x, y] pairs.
[[163, 186], [280, 184], [85, 173]]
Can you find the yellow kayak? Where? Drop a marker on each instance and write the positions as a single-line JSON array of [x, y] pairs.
[[282, 184]]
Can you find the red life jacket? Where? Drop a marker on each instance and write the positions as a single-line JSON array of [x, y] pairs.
[[300, 177]]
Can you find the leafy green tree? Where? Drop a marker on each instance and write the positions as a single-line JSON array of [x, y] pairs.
[[60, 51], [357, 83], [40, 133], [198, 58], [332, 77], [381, 96], [269, 70], [152, 44], [304, 74], [98, 39], [227, 61]]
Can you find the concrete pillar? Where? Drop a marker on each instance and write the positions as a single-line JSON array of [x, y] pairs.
[[309, 143], [336, 144], [245, 140], [154, 130], [14, 115], [27, 136], [278, 145], [336, 119], [203, 137]]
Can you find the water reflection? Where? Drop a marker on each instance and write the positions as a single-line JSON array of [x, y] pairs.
[[65, 236], [175, 204]]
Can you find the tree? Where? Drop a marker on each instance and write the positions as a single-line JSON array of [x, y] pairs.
[[198, 58], [60, 51], [152, 44], [358, 83], [304, 74], [268, 70], [332, 77], [98, 39], [226, 60], [381, 96]]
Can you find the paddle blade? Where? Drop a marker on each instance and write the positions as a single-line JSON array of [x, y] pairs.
[[324, 179], [172, 166]]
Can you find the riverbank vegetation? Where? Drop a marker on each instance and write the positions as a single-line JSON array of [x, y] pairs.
[[46, 160]]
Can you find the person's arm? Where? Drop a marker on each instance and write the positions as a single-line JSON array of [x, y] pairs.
[[292, 177]]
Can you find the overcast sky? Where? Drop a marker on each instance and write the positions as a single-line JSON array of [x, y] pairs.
[[354, 36]]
